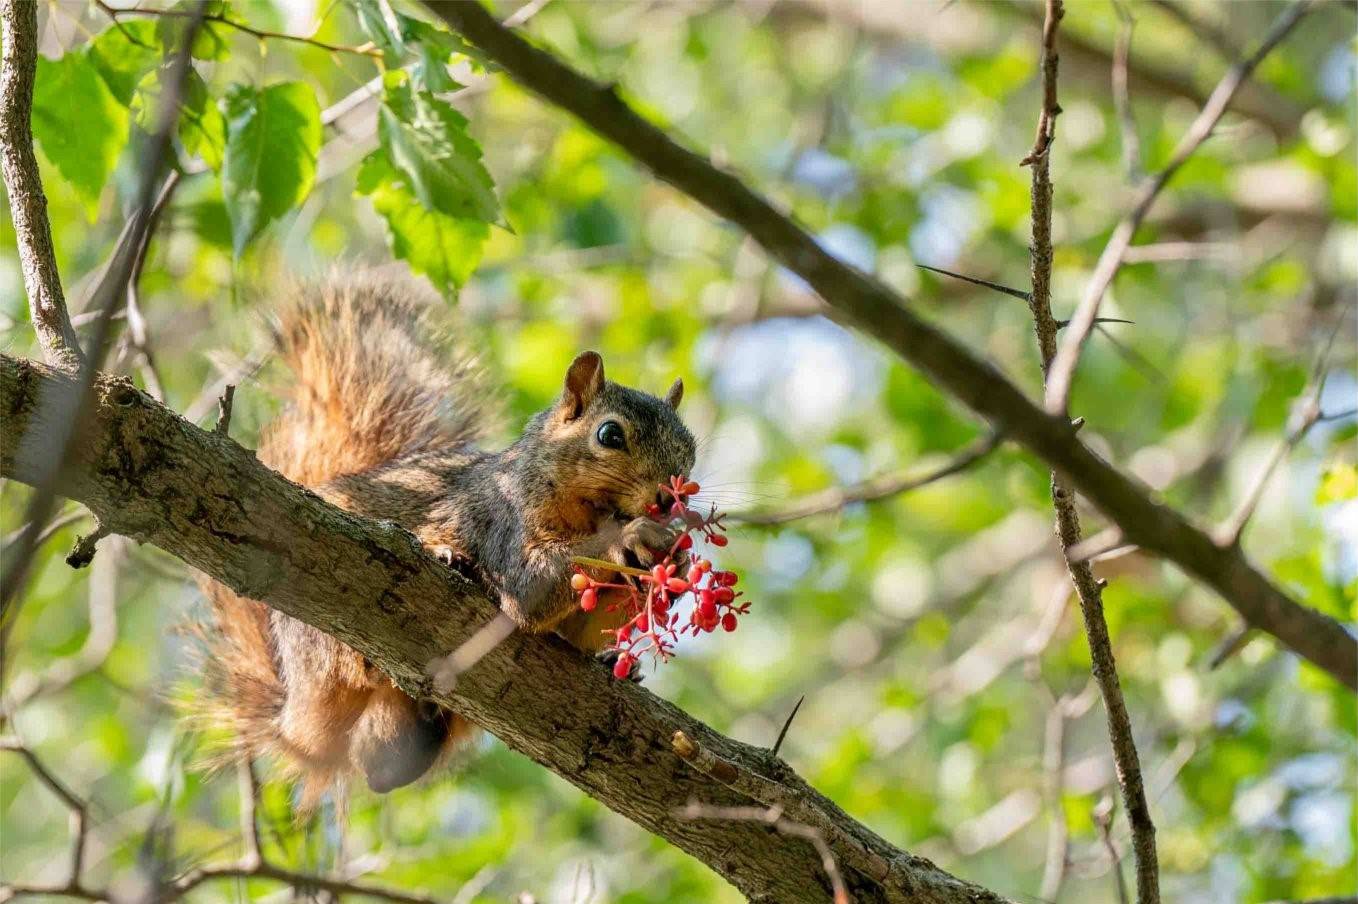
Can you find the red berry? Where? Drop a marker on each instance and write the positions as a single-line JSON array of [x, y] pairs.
[[685, 542], [695, 574], [579, 581], [690, 488], [726, 578], [652, 509], [624, 633], [728, 621], [658, 574], [643, 623], [623, 667], [717, 540], [589, 599], [707, 607], [705, 565], [724, 594], [677, 585]]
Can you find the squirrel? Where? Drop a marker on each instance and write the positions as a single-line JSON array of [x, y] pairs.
[[383, 418]]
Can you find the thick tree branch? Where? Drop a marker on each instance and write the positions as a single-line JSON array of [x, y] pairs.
[[27, 203], [1068, 530], [879, 312], [1110, 261], [149, 474]]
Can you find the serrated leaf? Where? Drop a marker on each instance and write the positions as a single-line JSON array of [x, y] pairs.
[[125, 52], [201, 127], [443, 248], [427, 141], [383, 26], [79, 124], [272, 138]]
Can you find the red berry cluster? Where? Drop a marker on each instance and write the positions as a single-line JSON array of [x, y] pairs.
[[651, 600]]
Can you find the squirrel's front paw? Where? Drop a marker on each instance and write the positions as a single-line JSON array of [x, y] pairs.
[[646, 539], [610, 659]]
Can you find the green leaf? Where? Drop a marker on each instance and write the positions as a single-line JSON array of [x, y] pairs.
[[272, 139], [125, 52], [78, 122], [427, 141], [384, 26], [201, 127], [445, 249], [1338, 484]]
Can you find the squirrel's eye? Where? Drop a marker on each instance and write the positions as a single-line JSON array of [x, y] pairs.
[[610, 435]]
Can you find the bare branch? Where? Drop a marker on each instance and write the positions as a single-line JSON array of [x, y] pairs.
[[1110, 261], [1306, 416], [881, 487], [774, 817], [138, 337], [870, 306], [74, 805], [1068, 530], [27, 203], [1103, 818], [1046, 121], [1122, 97]]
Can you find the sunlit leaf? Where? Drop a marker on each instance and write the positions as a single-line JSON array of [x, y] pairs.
[[78, 123], [272, 138]]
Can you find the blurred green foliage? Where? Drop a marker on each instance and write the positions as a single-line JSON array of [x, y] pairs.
[[929, 631]]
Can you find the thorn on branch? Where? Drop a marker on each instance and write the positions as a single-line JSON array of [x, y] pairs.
[[1231, 644], [82, 553], [224, 410], [778, 744], [1016, 293]]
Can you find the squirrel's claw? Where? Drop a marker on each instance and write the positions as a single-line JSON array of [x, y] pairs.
[[644, 538]]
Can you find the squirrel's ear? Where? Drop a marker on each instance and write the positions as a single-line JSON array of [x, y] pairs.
[[676, 393], [584, 381]]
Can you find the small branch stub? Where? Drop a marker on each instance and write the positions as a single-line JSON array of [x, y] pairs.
[[82, 554], [224, 404]]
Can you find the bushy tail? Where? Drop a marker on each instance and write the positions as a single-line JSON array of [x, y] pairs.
[[373, 377]]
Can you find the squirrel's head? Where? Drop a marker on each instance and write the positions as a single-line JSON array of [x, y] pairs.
[[610, 447]]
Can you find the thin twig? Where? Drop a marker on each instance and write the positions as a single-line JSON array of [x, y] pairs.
[[138, 337], [1068, 530], [83, 551], [1122, 98], [115, 13], [1046, 121], [876, 488], [27, 203], [1103, 818], [773, 816], [1110, 261], [1307, 416], [75, 806], [770, 794]]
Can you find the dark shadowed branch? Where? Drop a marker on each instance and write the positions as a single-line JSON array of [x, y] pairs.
[[876, 310]]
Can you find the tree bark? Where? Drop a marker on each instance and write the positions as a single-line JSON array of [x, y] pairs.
[[147, 473]]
